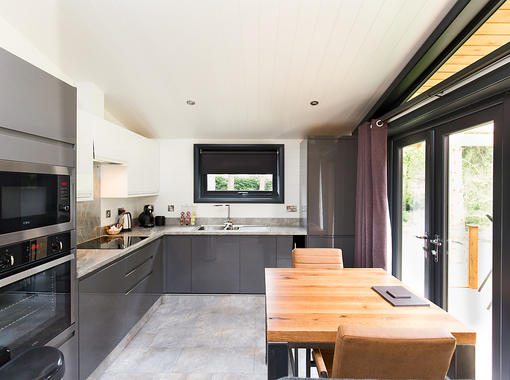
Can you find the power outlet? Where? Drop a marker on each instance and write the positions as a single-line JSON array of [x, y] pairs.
[[108, 213], [291, 208], [171, 208]]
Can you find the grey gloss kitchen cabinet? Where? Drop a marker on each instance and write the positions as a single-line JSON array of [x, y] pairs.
[[215, 264], [255, 254], [284, 246], [35, 102], [177, 255], [70, 351], [102, 321], [143, 280], [331, 178], [112, 301], [331, 194]]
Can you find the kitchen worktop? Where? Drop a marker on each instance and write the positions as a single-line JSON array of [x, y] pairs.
[[89, 260]]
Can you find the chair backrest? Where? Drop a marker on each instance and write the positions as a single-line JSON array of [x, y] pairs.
[[320, 258], [392, 353]]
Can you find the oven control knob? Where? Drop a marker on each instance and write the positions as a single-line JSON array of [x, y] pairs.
[[57, 245], [65, 208], [7, 261]]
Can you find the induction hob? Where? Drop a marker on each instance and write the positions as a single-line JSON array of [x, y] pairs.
[[111, 242]]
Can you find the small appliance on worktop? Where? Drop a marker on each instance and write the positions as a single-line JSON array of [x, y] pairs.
[[111, 242], [146, 218]]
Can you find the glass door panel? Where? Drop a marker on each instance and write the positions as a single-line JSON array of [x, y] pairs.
[[412, 216], [469, 208]]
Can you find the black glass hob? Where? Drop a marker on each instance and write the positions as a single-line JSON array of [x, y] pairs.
[[111, 242]]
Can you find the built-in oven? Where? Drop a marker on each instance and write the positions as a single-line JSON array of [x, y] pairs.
[[37, 283], [35, 200]]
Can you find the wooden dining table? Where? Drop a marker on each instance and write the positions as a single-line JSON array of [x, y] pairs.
[[304, 308]]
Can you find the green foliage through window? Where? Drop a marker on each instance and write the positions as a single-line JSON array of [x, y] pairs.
[[221, 183], [246, 184]]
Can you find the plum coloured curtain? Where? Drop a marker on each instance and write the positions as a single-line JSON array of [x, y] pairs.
[[371, 196]]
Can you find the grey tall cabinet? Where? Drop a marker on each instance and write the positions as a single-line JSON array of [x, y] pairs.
[[331, 194]]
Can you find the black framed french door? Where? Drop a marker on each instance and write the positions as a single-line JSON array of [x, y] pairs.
[[446, 182], [412, 212]]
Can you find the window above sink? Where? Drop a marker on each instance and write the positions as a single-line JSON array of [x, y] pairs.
[[238, 173]]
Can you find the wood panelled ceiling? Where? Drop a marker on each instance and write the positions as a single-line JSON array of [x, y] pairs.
[[490, 36], [252, 67]]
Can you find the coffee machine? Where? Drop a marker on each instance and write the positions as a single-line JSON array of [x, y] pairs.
[[146, 218]]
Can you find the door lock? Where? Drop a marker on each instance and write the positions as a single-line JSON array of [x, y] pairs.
[[436, 242]]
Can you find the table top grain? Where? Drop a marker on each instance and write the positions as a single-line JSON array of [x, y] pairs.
[[307, 305]]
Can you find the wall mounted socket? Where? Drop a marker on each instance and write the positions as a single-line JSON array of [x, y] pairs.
[[171, 208], [108, 213], [291, 208]]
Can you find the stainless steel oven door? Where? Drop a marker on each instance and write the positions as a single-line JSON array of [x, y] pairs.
[[37, 305], [35, 200]]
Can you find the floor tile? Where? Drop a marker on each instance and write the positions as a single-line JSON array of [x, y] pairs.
[[215, 360], [145, 360], [197, 337]]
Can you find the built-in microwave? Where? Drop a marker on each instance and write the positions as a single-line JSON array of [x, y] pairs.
[[35, 200]]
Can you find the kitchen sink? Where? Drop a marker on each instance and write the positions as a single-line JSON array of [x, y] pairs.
[[211, 227], [240, 228]]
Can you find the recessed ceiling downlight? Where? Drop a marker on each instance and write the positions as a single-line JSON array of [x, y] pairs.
[[190, 102], [314, 102]]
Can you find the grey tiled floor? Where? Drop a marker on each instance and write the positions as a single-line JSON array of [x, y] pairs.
[[197, 337]]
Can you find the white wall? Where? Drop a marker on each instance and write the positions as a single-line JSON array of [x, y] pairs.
[[14, 42], [133, 205], [176, 182]]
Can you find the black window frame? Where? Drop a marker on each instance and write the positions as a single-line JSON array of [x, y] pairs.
[[201, 195]]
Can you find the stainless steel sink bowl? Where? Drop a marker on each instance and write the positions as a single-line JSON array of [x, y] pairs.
[[240, 228], [253, 228], [211, 227]]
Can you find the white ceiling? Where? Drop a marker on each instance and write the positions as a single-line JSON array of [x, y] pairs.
[[252, 66]]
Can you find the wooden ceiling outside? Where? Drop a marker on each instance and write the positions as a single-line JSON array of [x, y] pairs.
[[491, 35]]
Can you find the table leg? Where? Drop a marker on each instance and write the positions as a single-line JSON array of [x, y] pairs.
[[463, 362], [277, 360]]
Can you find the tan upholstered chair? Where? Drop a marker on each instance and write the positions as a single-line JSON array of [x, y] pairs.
[[319, 258], [387, 353]]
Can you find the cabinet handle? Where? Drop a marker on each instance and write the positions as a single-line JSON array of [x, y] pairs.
[[138, 266], [138, 283]]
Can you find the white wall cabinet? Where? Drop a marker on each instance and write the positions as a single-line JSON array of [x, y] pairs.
[[115, 144], [111, 143], [85, 155], [143, 166]]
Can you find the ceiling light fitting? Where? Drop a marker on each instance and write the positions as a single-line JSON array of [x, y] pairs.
[[314, 102], [190, 102]]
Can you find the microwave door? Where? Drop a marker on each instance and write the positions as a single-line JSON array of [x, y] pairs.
[[34, 201]]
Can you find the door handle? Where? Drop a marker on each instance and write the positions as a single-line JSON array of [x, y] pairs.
[[424, 237]]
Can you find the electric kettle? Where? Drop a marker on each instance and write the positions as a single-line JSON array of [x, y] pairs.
[[126, 221]]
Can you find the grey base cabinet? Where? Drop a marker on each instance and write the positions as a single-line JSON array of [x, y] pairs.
[[177, 255], [112, 301], [215, 264], [223, 264], [284, 246], [70, 351], [345, 243], [255, 254]]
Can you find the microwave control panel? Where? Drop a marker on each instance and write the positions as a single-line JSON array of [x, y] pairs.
[[64, 198], [20, 255]]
